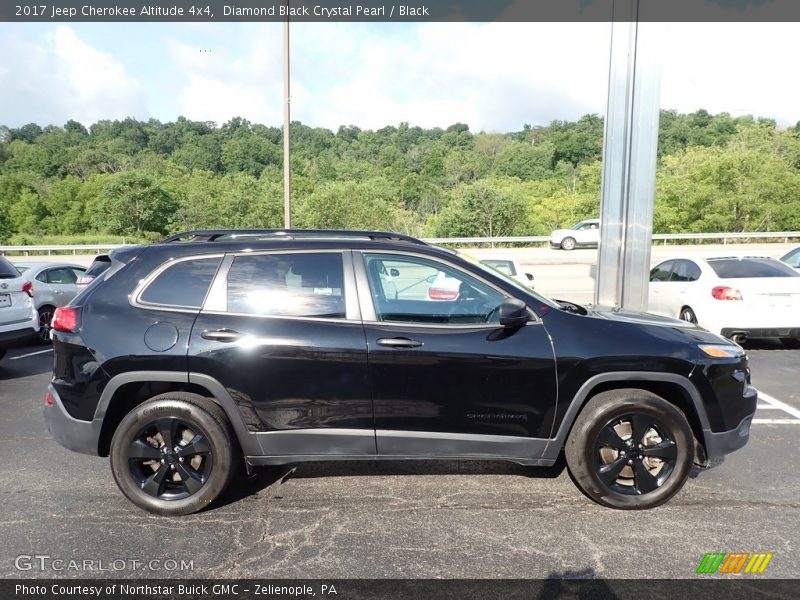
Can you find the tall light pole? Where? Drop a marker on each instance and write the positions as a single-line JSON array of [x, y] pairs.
[[287, 129]]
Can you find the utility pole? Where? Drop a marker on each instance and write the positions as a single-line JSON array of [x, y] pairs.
[[287, 129], [630, 142]]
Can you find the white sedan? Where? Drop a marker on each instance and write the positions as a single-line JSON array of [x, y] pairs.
[[738, 297], [585, 234]]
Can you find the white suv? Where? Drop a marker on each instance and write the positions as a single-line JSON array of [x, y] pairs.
[[19, 320], [586, 233]]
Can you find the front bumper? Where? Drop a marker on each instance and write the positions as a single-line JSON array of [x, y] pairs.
[[73, 434], [720, 444]]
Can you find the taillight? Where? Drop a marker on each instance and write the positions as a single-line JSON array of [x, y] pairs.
[[27, 287], [722, 292], [48, 399], [66, 318], [438, 294]]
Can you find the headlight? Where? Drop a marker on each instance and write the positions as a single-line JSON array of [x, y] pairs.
[[722, 351]]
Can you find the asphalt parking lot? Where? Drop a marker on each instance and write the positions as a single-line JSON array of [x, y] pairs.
[[394, 519]]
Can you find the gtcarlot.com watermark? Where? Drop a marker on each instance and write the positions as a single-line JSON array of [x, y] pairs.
[[46, 563]]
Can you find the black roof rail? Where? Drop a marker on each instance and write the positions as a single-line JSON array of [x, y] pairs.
[[213, 235]]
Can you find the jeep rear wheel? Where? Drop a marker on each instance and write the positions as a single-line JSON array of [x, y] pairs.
[[174, 454], [630, 449]]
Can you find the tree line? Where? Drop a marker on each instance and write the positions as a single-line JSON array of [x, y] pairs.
[[145, 179]]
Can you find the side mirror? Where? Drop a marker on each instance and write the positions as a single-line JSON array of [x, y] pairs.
[[394, 272], [513, 313], [529, 276]]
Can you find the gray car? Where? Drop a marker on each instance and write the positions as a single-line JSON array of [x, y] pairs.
[[54, 285]]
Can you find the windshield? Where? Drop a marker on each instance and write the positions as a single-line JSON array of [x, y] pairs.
[[489, 269], [7, 270], [742, 268]]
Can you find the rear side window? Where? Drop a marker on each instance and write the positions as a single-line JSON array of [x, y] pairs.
[[504, 266], [183, 284], [734, 268], [7, 270], [661, 272], [685, 270], [61, 276], [290, 285], [99, 265], [793, 258]]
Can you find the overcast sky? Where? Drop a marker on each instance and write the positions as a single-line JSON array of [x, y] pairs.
[[492, 76]]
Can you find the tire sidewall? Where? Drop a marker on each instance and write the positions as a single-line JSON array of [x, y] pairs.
[[216, 435], [668, 416]]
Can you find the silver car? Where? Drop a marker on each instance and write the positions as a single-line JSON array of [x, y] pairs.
[[54, 285]]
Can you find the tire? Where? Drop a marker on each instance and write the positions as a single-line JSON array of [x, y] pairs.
[[599, 443], [45, 318], [568, 243], [687, 314], [791, 343], [162, 489]]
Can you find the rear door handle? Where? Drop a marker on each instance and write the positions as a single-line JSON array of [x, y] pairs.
[[399, 343], [221, 335]]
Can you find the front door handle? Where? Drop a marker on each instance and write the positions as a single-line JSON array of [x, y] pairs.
[[221, 335], [399, 343]]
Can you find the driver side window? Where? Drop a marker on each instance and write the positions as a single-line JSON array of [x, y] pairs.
[[411, 289]]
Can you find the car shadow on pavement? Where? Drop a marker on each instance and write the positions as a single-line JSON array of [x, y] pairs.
[[25, 367], [263, 477]]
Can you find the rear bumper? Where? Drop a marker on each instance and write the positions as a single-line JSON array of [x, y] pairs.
[[17, 337], [73, 434], [763, 332]]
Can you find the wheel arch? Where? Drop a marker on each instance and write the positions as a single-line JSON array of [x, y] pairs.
[[126, 391], [675, 389]]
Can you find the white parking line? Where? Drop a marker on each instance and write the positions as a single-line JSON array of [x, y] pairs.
[[782, 405], [775, 404], [30, 354]]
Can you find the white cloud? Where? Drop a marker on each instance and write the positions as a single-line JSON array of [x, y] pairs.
[[243, 78], [62, 77], [494, 76]]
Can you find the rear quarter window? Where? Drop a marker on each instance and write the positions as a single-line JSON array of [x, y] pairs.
[[7, 270], [182, 285], [734, 268]]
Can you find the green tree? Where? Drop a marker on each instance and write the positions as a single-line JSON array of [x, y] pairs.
[[134, 203]]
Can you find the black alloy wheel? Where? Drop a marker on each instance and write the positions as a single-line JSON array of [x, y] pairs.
[[170, 459], [634, 454], [45, 320], [174, 454], [630, 449]]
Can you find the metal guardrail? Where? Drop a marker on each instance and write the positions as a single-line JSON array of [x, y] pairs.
[[665, 237], [785, 236], [75, 249]]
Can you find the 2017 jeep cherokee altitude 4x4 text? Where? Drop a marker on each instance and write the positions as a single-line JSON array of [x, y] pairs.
[[213, 347]]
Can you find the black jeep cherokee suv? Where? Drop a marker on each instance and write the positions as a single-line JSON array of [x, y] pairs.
[[275, 347]]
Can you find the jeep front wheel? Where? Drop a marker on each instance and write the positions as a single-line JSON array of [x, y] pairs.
[[173, 454], [630, 449]]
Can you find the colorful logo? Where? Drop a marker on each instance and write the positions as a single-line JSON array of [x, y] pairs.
[[736, 562]]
